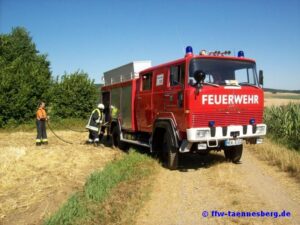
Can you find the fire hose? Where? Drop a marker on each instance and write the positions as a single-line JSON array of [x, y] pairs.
[[68, 142], [50, 128]]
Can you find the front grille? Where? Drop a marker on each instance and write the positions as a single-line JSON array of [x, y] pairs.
[[226, 118]]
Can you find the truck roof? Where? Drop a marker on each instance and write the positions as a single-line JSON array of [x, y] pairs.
[[178, 61]]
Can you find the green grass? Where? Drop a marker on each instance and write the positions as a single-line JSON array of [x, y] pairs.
[[55, 123], [109, 196]]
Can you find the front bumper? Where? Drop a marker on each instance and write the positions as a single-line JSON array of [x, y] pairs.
[[204, 134]]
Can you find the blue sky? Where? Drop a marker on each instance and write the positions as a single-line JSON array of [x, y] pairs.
[[95, 35]]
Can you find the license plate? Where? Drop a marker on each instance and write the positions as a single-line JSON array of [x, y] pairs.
[[233, 142], [202, 146]]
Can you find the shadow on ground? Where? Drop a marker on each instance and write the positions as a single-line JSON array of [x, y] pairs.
[[187, 161], [197, 161]]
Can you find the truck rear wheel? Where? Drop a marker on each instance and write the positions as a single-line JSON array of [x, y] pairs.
[[234, 153], [116, 140], [169, 153]]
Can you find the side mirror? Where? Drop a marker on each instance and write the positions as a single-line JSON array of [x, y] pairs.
[[261, 77], [199, 76]]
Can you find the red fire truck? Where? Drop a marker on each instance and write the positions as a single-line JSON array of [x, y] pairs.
[[201, 102]]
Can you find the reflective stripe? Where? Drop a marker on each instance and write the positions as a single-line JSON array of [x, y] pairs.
[[38, 140], [88, 126], [99, 114], [90, 140], [98, 110], [96, 139], [92, 128], [44, 140]]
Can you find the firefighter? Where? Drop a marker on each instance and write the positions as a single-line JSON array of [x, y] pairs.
[[41, 117], [114, 112], [94, 125], [107, 119]]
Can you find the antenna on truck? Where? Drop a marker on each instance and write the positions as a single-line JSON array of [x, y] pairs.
[[180, 40]]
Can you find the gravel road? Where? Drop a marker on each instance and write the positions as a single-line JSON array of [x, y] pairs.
[[209, 183]]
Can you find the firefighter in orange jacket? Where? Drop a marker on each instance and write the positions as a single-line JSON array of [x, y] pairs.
[[41, 117]]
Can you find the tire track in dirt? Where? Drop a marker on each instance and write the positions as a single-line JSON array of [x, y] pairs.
[[206, 183]]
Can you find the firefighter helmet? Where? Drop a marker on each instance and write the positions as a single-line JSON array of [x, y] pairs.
[[100, 106]]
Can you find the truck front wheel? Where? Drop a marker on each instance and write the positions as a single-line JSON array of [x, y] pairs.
[[116, 140], [234, 153], [169, 153]]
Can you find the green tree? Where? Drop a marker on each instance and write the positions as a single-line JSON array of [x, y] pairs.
[[74, 95], [25, 76]]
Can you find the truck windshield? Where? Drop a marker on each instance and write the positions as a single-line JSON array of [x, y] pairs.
[[224, 71]]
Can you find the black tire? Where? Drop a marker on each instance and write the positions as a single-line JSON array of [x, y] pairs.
[[169, 153], [116, 142], [234, 153]]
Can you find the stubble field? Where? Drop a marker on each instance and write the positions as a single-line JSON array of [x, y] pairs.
[[35, 181]]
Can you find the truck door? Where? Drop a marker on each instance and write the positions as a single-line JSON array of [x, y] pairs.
[[144, 103], [159, 87], [173, 96]]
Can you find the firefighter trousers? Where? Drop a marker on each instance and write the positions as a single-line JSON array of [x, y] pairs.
[[93, 136], [41, 131]]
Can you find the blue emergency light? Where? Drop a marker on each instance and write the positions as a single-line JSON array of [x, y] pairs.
[[252, 121], [241, 54], [189, 50], [211, 123]]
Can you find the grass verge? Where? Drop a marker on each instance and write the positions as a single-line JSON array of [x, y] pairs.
[[110, 196], [276, 154], [55, 123]]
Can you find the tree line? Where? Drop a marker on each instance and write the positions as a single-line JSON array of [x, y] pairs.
[[26, 79]]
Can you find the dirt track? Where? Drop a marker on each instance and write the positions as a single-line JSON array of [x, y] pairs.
[[209, 183]]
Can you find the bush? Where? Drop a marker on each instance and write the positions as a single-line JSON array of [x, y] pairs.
[[284, 123], [24, 77], [73, 96]]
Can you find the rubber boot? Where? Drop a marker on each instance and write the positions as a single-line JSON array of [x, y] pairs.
[[89, 142]]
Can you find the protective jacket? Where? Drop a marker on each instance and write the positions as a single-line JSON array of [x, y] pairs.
[[95, 119], [41, 114], [41, 117], [114, 113]]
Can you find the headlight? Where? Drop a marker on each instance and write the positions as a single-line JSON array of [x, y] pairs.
[[260, 130], [202, 133]]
